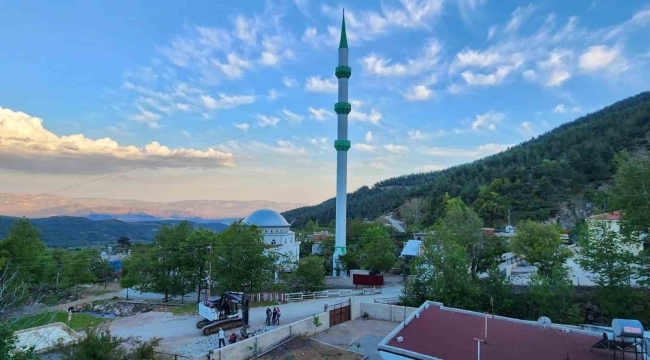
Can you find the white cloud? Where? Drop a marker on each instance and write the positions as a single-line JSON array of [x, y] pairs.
[[226, 101], [469, 57], [316, 84], [530, 75], [246, 29], [273, 94], [430, 168], [639, 19], [454, 89], [289, 82], [145, 116], [284, 148], [182, 107], [397, 149], [266, 121], [560, 109], [364, 147], [25, 145], [477, 79], [274, 50], [423, 135], [467, 7], [369, 136], [576, 109], [558, 77], [242, 126], [187, 134], [373, 117], [601, 57], [234, 67], [380, 66], [525, 128], [310, 36], [491, 31], [489, 120], [269, 58], [293, 117], [418, 93], [518, 17], [481, 151], [320, 114]]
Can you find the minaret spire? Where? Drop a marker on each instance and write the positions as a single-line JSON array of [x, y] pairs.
[[342, 145]]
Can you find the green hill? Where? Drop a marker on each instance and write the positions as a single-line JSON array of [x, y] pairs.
[[556, 173], [68, 231]]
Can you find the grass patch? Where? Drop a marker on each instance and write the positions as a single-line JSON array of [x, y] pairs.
[[185, 309], [79, 321], [101, 292], [51, 300]]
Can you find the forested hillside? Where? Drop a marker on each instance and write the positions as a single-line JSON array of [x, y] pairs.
[[535, 179], [68, 231]]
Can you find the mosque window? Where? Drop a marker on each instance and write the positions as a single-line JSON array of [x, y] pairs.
[[272, 242]]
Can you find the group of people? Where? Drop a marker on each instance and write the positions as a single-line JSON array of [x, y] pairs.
[[273, 316]]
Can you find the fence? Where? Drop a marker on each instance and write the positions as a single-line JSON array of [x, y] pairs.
[[300, 296], [167, 356], [267, 296]]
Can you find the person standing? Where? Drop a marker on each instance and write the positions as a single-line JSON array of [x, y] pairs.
[[222, 338], [278, 311], [275, 316], [268, 317]]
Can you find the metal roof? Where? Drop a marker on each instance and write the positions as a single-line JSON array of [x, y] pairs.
[[266, 218]]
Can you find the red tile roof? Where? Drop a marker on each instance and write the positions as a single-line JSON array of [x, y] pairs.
[[614, 215], [449, 335]]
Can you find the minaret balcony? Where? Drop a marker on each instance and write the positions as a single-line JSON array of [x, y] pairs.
[[342, 108], [343, 72], [342, 145]]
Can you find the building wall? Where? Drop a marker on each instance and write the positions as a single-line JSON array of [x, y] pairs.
[[615, 226]]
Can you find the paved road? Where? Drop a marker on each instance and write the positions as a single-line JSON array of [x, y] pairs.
[[394, 223], [177, 331]]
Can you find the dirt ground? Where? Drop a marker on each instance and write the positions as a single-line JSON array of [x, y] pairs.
[[307, 349], [358, 335]]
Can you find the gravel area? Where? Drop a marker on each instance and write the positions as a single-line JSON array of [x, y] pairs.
[[364, 333], [307, 349]]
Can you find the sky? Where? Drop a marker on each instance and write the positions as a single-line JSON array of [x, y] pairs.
[[234, 100]]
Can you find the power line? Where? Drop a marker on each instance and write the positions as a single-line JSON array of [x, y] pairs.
[[161, 160]]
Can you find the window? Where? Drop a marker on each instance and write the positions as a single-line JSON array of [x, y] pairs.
[[272, 242]]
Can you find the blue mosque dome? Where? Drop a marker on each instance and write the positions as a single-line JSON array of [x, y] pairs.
[[266, 218]]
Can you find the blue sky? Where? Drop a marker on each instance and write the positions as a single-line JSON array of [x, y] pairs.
[[91, 87]]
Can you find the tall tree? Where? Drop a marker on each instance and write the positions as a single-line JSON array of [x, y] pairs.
[[242, 261], [77, 271], [309, 275], [378, 252], [540, 244], [26, 251], [491, 206], [413, 210], [631, 193]]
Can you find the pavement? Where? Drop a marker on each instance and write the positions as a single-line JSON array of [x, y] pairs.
[[181, 331]]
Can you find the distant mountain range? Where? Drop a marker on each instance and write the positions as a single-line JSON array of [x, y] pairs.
[[200, 211], [68, 231]]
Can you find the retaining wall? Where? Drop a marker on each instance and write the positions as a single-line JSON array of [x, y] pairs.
[[249, 348], [384, 312]]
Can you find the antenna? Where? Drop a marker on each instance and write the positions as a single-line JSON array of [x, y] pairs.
[[478, 342]]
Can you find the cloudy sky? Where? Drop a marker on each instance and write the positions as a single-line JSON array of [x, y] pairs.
[[234, 100]]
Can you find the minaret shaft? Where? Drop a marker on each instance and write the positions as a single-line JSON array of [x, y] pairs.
[[342, 145]]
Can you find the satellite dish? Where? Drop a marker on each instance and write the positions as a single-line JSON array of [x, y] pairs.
[[544, 321]]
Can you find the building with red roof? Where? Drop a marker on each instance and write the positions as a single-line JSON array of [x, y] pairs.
[[436, 332]]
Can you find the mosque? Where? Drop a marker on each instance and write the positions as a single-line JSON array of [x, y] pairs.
[[276, 231]]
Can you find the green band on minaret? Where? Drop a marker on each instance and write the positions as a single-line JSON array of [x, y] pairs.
[[342, 145], [343, 72], [342, 108]]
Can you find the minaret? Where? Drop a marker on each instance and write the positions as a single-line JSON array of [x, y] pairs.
[[342, 145]]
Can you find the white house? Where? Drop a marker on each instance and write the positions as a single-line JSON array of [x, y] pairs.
[[613, 222], [276, 231]]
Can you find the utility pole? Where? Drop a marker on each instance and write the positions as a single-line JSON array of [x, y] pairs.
[[509, 223], [210, 271]]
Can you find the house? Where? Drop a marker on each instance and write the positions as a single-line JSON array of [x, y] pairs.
[[613, 222], [435, 331], [317, 238], [412, 248]]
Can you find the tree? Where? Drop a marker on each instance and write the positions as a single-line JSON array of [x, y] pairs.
[[77, 271], [242, 261], [462, 225], [26, 251], [124, 242], [99, 344], [442, 274], [631, 193], [351, 260], [413, 210], [490, 205], [552, 293], [378, 253], [540, 245], [130, 275], [309, 275], [8, 349], [195, 258]]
